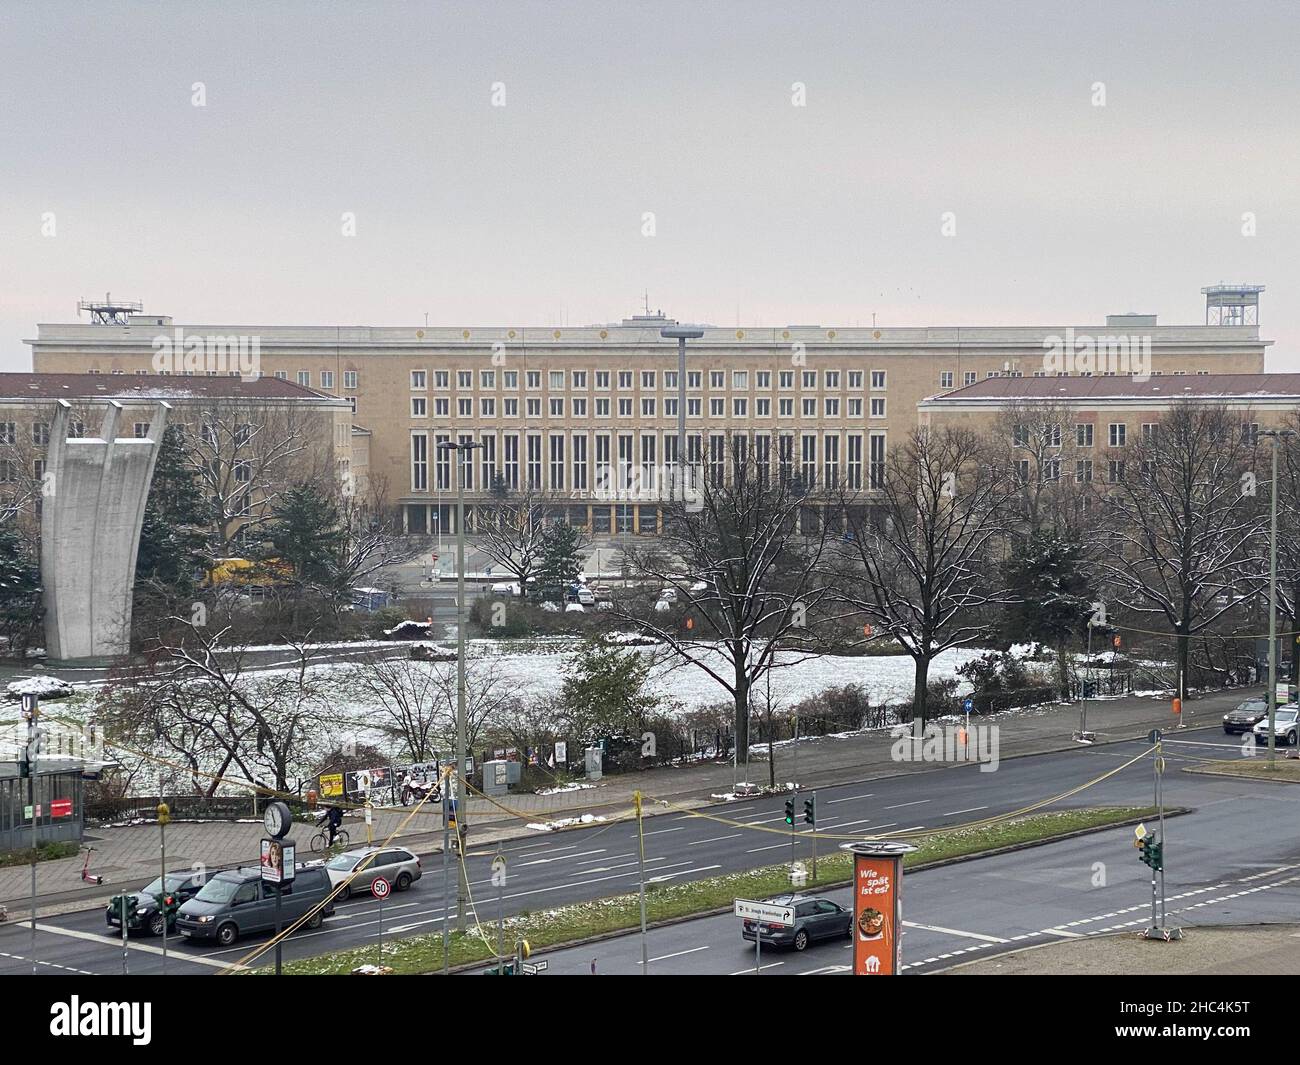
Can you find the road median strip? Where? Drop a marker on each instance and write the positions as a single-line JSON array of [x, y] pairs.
[[670, 903]]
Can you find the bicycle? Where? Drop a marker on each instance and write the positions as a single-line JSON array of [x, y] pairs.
[[320, 842]]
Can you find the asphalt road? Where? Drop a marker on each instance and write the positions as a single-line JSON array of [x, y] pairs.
[[1235, 832]]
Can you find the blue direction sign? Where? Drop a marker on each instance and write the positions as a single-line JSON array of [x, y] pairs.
[[968, 705]]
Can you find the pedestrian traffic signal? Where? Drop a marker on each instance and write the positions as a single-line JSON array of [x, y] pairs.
[[789, 812], [810, 811]]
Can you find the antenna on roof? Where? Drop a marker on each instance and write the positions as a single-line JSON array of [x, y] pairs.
[[109, 311]]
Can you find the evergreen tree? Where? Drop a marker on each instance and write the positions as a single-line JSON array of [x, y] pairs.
[[20, 590], [1053, 595], [305, 533], [173, 551], [561, 556], [604, 691]]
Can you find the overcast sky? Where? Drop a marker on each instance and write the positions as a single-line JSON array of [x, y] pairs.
[[534, 213]]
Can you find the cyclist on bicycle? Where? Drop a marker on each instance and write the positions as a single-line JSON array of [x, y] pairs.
[[333, 818]]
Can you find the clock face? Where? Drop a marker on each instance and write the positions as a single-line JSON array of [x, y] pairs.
[[276, 819]]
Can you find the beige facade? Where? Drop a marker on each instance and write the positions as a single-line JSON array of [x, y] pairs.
[[589, 415]]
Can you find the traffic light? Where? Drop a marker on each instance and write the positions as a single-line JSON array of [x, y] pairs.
[[810, 810], [789, 812], [1152, 853]]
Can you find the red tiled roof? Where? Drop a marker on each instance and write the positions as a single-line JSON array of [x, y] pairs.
[[1099, 388], [147, 386]]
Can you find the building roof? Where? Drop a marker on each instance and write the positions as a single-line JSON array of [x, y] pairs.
[[80, 386], [1000, 390]]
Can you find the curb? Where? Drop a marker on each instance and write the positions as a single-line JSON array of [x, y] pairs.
[[823, 888]]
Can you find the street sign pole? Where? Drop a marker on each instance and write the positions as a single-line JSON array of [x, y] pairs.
[[279, 927], [446, 872], [499, 882], [814, 836], [640, 862], [162, 872], [31, 706]]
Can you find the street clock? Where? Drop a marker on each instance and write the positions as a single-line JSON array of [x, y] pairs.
[[277, 819]]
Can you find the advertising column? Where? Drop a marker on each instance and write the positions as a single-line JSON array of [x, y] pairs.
[[877, 907]]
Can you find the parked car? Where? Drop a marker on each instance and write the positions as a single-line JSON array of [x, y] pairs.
[[235, 903], [510, 588], [399, 866], [814, 919], [152, 907], [1284, 726], [1246, 716], [574, 608]]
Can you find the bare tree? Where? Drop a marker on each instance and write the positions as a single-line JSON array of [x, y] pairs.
[[204, 696], [921, 565], [1184, 522], [512, 532], [372, 538], [744, 558], [244, 458]]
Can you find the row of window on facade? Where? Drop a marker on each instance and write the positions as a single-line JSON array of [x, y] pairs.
[[649, 407], [1050, 435], [1050, 471], [644, 462]]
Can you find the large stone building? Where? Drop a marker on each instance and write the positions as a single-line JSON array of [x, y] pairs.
[[581, 412]]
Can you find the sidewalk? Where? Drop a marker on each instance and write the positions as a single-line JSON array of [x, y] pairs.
[[1249, 950], [128, 856]]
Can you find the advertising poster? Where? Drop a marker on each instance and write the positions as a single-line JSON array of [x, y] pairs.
[[331, 785], [875, 915]]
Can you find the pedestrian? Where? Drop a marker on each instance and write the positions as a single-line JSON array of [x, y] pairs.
[[593, 966]]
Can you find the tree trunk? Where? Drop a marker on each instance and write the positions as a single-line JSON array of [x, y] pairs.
[[771, 752], [921, 690], [1063, 670], [742, 714], [1184, 659]]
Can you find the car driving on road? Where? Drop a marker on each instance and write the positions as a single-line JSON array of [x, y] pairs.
[[399, 866], [1284, 726], [1246, 716], [814, 919]]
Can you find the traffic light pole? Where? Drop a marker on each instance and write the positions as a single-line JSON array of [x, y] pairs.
[[33, 749], [446, 872]]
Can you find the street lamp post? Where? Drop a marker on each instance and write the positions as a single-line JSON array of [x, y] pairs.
[[1274, 435], [464, 447], [681, 333]]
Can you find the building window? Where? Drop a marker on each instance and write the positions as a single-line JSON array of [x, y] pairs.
[[877, 468], [648, 380], [969, 377], [602, 380], [1083, 471], [693, 408], [304, 378], [419, 380], [1250, 434], [670, 408], [785, 407], [510, 465], [420, 462], [327, 378], [464, 407], [853, 464], [419, 407], [855, 379], [579, 406], [717, 379], [762, 407], [534, 462], [533, 380], [1083, 434], [809, 407], [1115, 472], [442, 462], [945, 379], [487, 407], [1149, 431], [580, 462], [693, 379], [739, 407], [670, 379], [350, 379], [831, 460], [442, 407], [740, 380], [579, 380], [855, 408], [557, 407], [557, 462], [763, 379], [624, 380], [717, 408], [1118, 434], [487, 379], [510, 380], [556, 380], [877, 406], [625, 408], [832, 406], [647, 408], [808, 459], [809, 380], [282, 375], [877, 379], [602, 408]]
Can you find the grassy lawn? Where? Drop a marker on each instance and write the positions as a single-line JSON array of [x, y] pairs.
[[1287, 769], [45, 852], [664, 902]]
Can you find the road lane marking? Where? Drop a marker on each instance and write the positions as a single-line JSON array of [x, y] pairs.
[[850, 798], [969, 810], [50, 964], [559, 858], [846, 824], [683, 872], [915, 802], [716, 839], [750, 970], [104, 941], [953, 932], [661, 831], [773, 847], [665, 957]]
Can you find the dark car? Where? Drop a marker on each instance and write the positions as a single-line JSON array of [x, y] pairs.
[[236, 902], [1246, 716], [814, 919], [157, 902]]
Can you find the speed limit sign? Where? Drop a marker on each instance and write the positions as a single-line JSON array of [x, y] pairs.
[[380, 888]]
